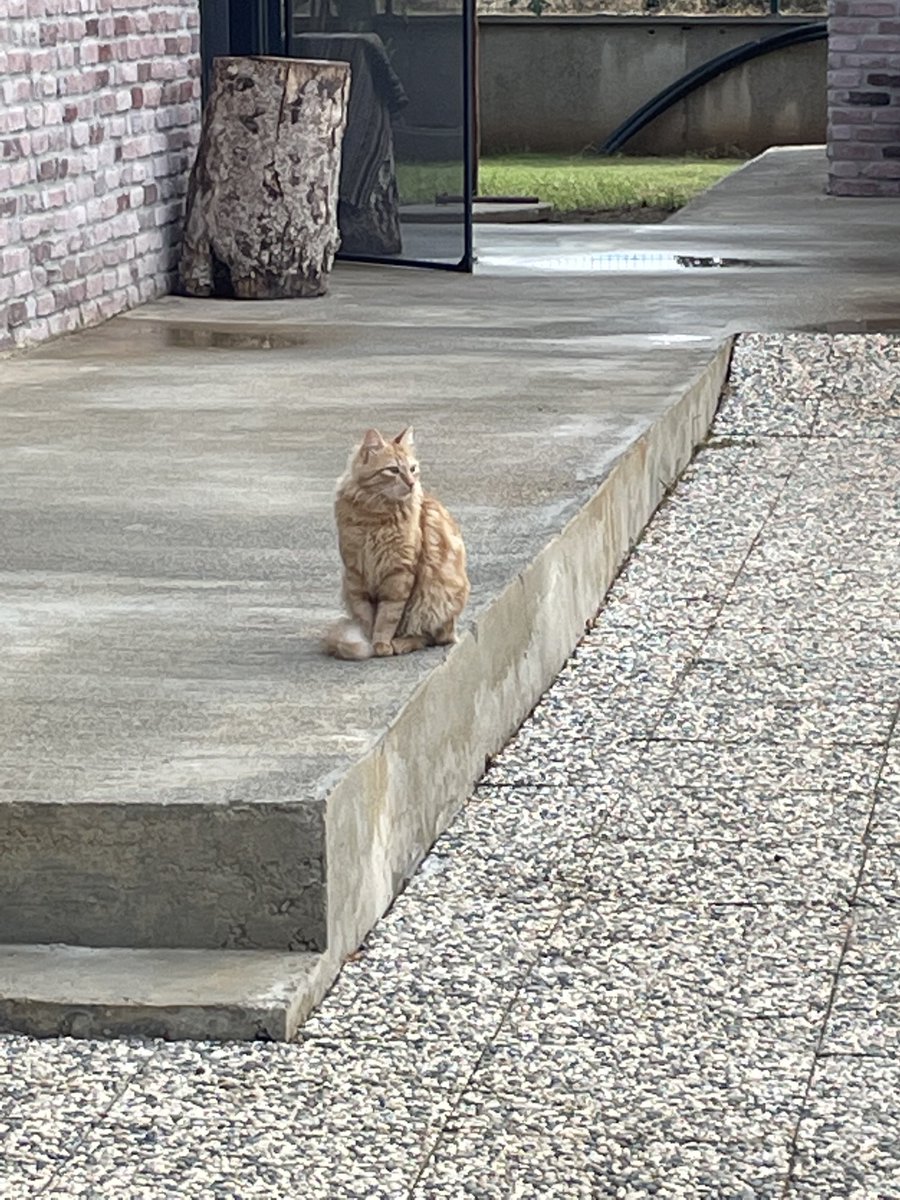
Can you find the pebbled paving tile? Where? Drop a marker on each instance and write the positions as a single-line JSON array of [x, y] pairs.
[[750, 872], [51, 1094], [872, 412], [709, 679], [64, 1076], [740, 937], [546, 762], [643, 962], [760, 459], [839, 665], [702, 1107], [569, 1155], [885, 826], [320, 1119], [847, 1142], [747, 409], [890, 777], [762, 766], [874, 941], [810, 608], [657, 812], [880, 880], [865, 1015], [694, 715]]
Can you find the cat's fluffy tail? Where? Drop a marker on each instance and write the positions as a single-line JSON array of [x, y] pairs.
[[345, 639]]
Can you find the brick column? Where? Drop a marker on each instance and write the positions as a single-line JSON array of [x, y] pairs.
[[864, 97], [99, 119]]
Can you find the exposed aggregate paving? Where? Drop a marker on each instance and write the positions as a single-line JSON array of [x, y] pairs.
[[658, 953]]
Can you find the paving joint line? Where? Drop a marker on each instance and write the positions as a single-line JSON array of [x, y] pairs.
[[707, 629], [852, 906], [490, 1040], [96, 1123]]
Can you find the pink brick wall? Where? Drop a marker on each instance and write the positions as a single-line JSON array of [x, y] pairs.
[[864, 97], [99, 117]]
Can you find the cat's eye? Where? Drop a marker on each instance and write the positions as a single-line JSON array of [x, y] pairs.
[[392, 470], [413, 467]]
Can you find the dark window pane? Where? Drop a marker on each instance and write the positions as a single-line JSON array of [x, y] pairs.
[[403, 175]]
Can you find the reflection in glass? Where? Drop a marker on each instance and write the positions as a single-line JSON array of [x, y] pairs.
[[404, 178]]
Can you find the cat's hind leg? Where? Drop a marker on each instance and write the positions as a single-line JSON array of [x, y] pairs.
[[446, 634], [409, 644]]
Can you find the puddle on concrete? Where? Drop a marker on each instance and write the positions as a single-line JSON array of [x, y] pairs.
[[691, 260], [642, 260], [231, 337]]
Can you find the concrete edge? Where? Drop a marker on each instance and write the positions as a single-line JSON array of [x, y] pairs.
[[386, 812]]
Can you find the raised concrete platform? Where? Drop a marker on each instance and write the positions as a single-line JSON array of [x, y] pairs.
[[186, 781]]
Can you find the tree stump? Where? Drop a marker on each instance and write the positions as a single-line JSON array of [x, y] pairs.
[[261, 221]]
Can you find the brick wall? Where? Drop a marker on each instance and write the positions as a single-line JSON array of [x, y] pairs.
[[99, 117], [864, 97]]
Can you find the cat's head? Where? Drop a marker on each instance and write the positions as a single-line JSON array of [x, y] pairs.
[[389, 470]]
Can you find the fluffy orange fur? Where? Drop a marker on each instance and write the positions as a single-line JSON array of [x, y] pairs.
[[404, 582]]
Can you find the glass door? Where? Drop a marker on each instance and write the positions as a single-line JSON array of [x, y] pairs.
[[408, 153]]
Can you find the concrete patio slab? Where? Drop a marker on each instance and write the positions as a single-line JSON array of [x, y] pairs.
[[180, 767]]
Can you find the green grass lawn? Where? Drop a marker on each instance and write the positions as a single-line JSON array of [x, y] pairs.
[[574, 184]]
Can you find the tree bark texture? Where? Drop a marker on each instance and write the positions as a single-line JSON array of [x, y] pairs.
[[261, 220]]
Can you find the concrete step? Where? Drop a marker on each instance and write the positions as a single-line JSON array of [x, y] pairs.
[[219, 995], [209, 876]]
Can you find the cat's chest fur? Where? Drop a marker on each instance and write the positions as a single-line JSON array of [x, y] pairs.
[[373, 547]]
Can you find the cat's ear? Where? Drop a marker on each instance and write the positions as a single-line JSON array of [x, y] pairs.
[[372, 441], [404, 439]]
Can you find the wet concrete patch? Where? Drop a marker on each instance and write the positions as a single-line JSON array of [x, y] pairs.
[[133, 340], [639, 261], [234, 337]]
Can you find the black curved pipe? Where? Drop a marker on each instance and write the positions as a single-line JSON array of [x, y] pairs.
[[682, 87]]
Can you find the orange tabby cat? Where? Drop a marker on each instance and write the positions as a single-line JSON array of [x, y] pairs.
[[404, 561]]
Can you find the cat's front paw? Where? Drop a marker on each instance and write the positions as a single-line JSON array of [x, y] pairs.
[[382, 649]]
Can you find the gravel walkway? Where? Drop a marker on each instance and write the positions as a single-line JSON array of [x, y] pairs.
[[659, 951]]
